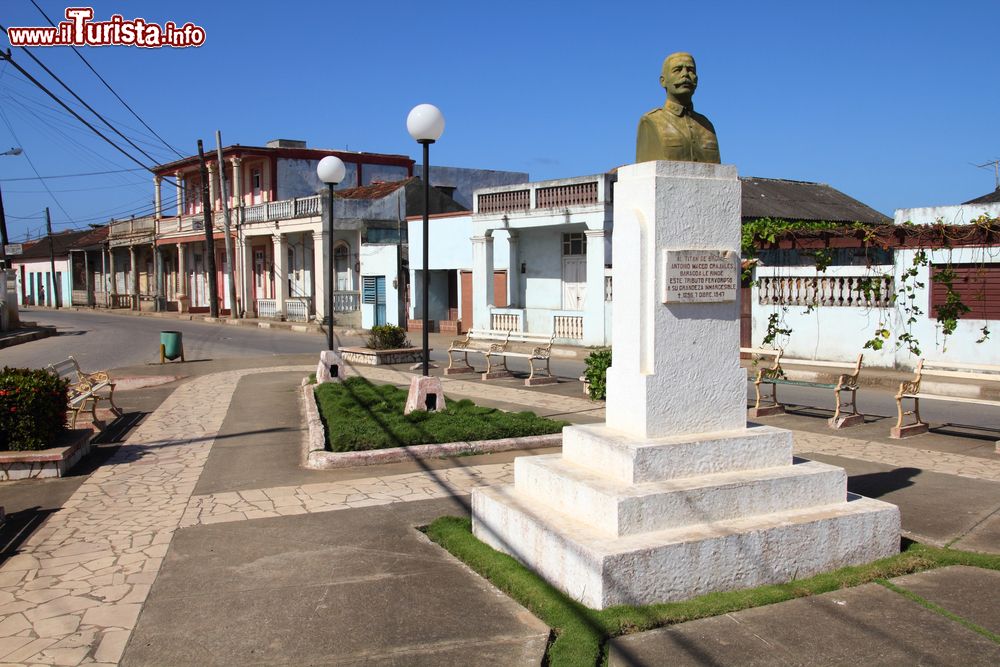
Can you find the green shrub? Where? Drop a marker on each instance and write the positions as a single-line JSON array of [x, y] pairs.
[[387, 337], [32, 408], [597, 372]]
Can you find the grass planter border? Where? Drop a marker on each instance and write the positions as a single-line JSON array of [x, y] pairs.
[[316, 455], [582, 634]]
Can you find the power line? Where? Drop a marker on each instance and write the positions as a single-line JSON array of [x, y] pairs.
[[88, 173], [80, 118], [24, 152], [108, 86], [80, 100]]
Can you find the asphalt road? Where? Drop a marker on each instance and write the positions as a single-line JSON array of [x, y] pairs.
[[103, 340]]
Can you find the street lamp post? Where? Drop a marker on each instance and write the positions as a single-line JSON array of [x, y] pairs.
[[426, 125], [331, 170]]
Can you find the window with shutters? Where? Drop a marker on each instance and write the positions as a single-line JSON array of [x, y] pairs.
[[977, 285], [368, 289]]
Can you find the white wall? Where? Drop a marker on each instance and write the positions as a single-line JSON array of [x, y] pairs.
[[541, 251], [380, 260], [45, 267], [949, 215], [450, 245], [838, 333]]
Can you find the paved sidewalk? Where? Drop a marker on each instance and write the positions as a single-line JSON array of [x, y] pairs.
[[81, 584]]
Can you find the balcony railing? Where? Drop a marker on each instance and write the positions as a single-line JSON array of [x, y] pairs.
[[582, 191], [572, 194], [285, 209], [122, 232], [506, 200]]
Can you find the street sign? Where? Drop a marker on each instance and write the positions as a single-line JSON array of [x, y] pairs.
[[13, 249]]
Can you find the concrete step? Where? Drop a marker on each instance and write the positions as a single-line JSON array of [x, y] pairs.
[[678, 564], [636, 461], [616, 508]]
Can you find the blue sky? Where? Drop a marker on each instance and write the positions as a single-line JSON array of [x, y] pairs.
[[891, 102]]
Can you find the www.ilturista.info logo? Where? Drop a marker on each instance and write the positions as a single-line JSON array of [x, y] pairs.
[[79, 29]]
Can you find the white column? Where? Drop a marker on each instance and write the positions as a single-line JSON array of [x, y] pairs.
[[249, 277], [182, 277], [513, 271], [113, 288], [280, 272], [482, 281], [654, 387], [213, 188], [179, 184], [237, 183], [157, 182], [321, 274], [134, 287], [593, 304]]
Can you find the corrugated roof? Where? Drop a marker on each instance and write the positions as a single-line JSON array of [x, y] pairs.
[[373, 191], [802, 200], [991, 198]]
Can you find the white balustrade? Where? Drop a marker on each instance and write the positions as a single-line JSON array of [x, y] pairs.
[[297, 309], [568, 326], [505, 321], [267, 308]]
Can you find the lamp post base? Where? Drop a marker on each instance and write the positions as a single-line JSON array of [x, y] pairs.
[[425, 394]]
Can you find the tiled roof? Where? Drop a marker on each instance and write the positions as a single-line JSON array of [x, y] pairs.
[[63, 242]]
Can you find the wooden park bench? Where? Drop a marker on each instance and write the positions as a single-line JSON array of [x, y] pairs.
[[85, 388], [775, 375], [497, 346], [983, 374]]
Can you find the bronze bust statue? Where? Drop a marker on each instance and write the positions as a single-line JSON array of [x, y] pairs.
[[676, 131]]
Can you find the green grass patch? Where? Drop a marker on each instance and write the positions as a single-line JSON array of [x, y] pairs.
[[361, 416], [582, 633]]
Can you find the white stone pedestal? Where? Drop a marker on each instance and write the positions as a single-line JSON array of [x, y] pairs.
[[426, 394], [675, 496], [330, 368]]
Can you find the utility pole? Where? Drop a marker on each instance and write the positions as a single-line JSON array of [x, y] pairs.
[[52, 258], [230, 265], [3, 237], [213, 282]]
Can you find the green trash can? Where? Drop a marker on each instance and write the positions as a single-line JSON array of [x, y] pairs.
[[171, 346]]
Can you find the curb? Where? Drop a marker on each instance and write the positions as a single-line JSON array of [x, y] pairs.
[[27, 337], [316, 456], [242, 322]]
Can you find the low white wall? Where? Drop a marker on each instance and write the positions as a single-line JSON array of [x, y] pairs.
[[838, 333], [949, 215]]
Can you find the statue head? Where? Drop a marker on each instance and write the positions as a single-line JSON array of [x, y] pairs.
[[679, 77]]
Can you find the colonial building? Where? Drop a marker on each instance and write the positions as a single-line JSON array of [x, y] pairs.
[[276, 226], [540, 253]]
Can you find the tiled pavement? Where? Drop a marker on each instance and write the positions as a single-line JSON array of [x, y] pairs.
[[73, 594]]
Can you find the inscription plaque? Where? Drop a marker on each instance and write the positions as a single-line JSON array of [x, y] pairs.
[[700, 276]]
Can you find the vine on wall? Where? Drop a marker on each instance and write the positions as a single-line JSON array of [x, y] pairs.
[[979, 236]]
